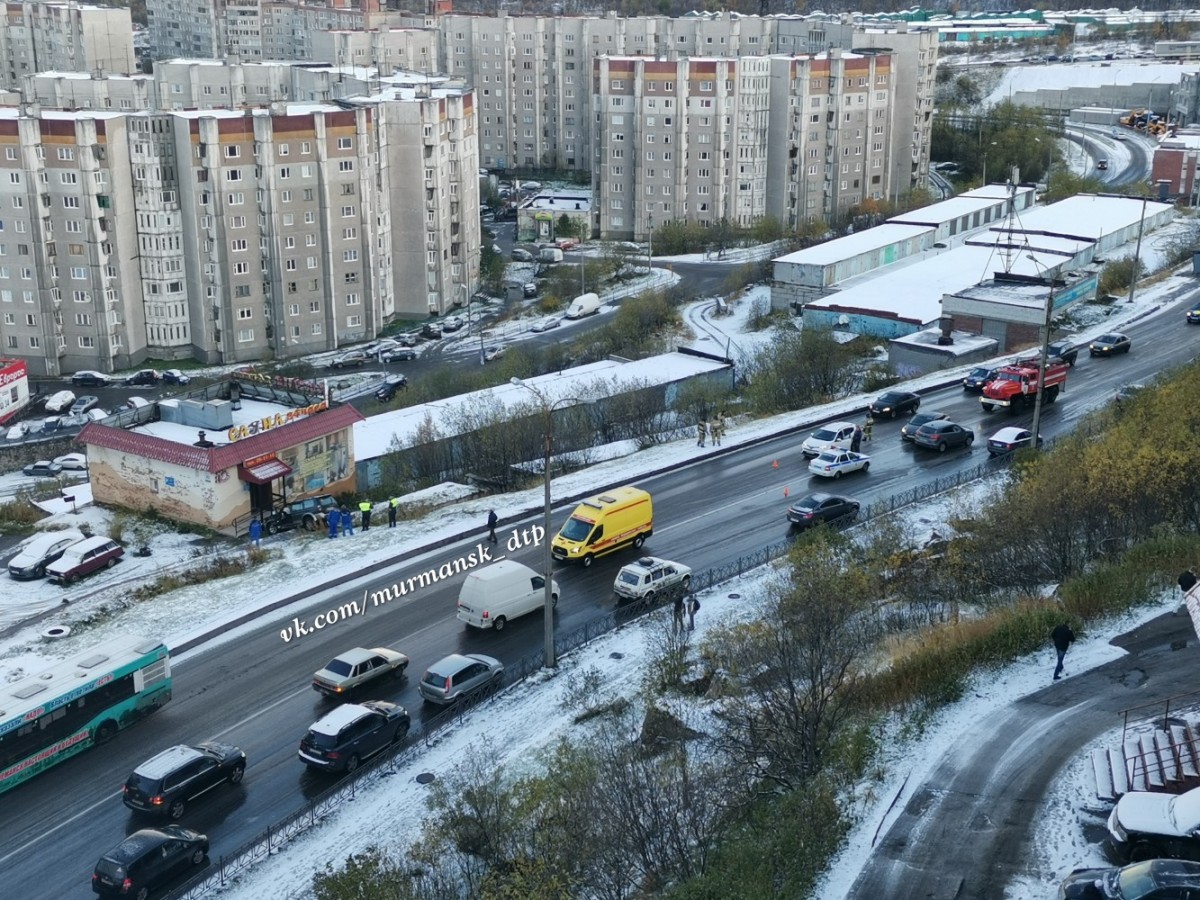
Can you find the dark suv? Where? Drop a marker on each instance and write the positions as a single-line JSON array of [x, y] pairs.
[[166, 783], [307, 514], [143, 377], [1064, 350], [148, 859], [351, 733]]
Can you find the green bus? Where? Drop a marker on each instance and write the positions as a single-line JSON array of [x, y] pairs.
[[53, 714]]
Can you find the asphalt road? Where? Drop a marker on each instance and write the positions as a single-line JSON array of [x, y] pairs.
[[254, 691]]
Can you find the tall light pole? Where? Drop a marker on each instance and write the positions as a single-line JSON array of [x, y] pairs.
[[548, 406]]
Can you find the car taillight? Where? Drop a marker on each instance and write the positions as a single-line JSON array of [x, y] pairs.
[[331, 754], [126, 885], [157, 800], [446, 687]]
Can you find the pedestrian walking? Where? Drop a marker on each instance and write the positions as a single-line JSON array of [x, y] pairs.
[[334, 517], [868, 426], [701, 432], [365, 508], [856, 439], [492, 520], [1063, 638], [717, 429], [677, 610], [347, 522], [255, 532], [693, 607], [392, 505]]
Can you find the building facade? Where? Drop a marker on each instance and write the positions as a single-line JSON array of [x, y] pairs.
[[64, 37]]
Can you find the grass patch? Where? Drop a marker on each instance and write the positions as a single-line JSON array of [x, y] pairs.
[[223, 567], [19, 516]]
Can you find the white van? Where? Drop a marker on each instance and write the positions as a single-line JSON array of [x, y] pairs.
[[504, 590]]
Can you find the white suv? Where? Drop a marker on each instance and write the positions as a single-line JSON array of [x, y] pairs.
[[834, 436], [651, 576]]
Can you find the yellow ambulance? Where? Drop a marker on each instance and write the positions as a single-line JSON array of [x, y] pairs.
[[622, 517]]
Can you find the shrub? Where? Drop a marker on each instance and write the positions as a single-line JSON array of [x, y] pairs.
[[18, 516]]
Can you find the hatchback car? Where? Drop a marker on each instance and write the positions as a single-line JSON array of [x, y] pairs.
[[166, 783], [391, 386], [43, 468], [44, 549], [1110, 344], [836, 463], [84, 558], [456, 676], [835, 435], [349, 359], [942, 435], [1154, 879], [978, 377], [176, 376], [60, 401], [817, 508], [1192, 317], [909, 430], [349, 671], [493, 353], [340, 741], [147, 860], [1006, 440], [90, 379], [1148, 824], [895, 403], [145, 377], [650, 577]]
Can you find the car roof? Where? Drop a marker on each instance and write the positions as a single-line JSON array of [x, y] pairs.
[[938, 424], [334, 722], [91, 543], [44, 542], [648, 562], [168, 761], [137, 844], [356, 655], [456, 662], [1009, 431]]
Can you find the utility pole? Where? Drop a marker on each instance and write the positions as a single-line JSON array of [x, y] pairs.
[[1137, 252]]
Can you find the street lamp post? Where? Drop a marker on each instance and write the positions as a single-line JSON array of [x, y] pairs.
[[548, 407]]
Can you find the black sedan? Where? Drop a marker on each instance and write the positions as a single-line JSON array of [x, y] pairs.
[[1110, 344], [817, 508], [893, 403], [1154, 879], [391, 386], [942, 435], [1193, 315], [978, 377], [397, 354], [909, 431]]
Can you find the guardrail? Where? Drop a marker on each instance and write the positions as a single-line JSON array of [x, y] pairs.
[[229, 866]]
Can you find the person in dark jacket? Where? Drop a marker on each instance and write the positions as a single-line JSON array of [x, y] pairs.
[[393, 504], [1187, 581], [856, 440], [491, 526], [1063, 638]]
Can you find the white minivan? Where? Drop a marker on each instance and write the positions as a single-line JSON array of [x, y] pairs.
[[504, 590]]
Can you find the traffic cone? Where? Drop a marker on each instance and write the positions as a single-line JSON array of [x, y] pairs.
[[786, 493], [775, 465]]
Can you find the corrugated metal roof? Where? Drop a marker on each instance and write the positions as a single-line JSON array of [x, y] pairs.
[[215, 459]]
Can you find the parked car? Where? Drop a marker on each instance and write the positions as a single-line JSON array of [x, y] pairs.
[[457, 676], [147, 377], [894, 403], [84, 403], [349, 359], [836, 435], [1153, 879], [942, 435], [73, 462], [32, 559], [546, 324], [909, 430], [307, 513], [135, 403], [84, 558], [397, 354], [820, 507], [50, 424], [529, 289], [176, 376], [1192, 316], [1064, 350], [978, 377], [566, 243], [60, 401], [43, 468], [1006, 440], [349, 671], [493, 353], [391, 386], [74, 420], [431, 330], [651, 577], [17, 432], [341, 740], [166, 783], [520, 255], [88, 378], [836, 463], [147, 860], [97, 414], [1148, 824], [1110, 344], [453, 323]]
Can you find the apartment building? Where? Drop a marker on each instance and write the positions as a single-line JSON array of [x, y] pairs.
[[79, 90], [64, 37], [387, 50], [830, 136]]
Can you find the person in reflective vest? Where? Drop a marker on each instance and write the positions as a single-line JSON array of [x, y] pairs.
[[365, 509]]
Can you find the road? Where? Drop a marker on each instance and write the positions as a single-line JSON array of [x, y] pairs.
[[254, 690]]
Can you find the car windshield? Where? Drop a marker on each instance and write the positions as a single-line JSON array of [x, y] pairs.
[[825, 434], [576, 529], [629, 578], [113, 870], [321, 741], [979, 373], [890, 398], [142, 783], [1008, 376], [828, 457], [1185, 812], [1134, 881], [338, 667]]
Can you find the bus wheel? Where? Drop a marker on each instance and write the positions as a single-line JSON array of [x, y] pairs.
[[106, 731]]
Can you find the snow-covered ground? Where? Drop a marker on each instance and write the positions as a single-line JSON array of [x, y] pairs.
[[527, 717]]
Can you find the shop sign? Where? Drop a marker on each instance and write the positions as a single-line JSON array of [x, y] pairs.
[[258, 426]]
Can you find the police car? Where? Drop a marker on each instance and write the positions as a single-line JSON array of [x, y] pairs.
[[836, 463], [649, 577]]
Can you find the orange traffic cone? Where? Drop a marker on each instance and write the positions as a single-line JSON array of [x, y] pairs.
[[786, 493], [775, 465]]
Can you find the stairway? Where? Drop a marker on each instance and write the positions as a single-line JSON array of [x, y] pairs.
[[1163, 756]]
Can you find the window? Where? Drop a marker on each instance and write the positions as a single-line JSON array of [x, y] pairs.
[[346, 165], [245, 312], [232, 151], [70, 203], [79, 273], [316, 327], [347, 212], [352, 299], [83, 319], [87, 343], [237, 246], [344, 143], [68, 178], [233, 174], [349, 256], [245, 335]]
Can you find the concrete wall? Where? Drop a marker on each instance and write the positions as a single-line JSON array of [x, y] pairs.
[[858, 323]]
